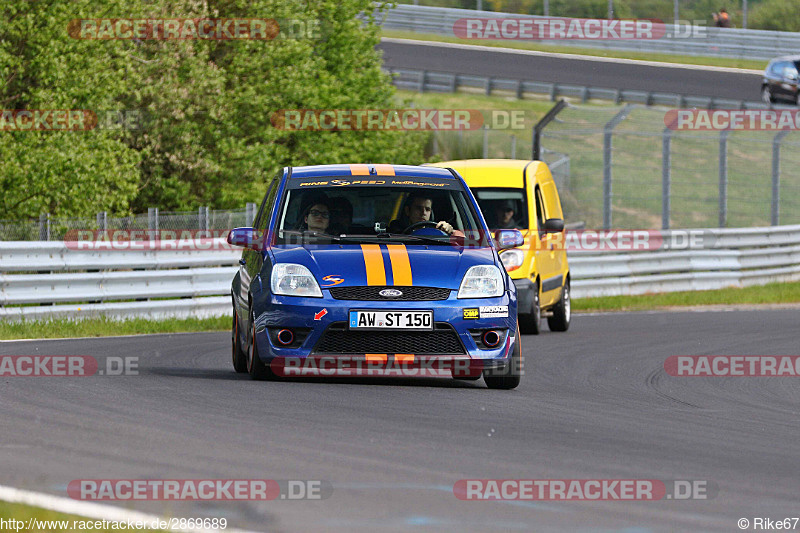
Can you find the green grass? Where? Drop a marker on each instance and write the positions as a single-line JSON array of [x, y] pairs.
[[620, 54], [18, 511], [772, 293], [104, 327]]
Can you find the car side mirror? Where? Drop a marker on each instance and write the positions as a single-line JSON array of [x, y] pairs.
[[245, 237], [554, 225], [508, 238]]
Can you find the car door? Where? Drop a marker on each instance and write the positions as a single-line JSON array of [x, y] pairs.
[[545, 251], [252, 260]]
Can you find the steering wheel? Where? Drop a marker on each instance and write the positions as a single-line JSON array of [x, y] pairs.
[[423, 224]]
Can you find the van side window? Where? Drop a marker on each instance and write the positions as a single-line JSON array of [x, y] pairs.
[[541, 216]]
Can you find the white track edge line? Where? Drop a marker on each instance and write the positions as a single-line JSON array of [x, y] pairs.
[[573, 56], [93, 510]]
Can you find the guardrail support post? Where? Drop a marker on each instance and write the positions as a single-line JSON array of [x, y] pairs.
[[666, 167], [776, 177], [608, 131], [422, 76], [513, 146], [44, 227], [485, 142], [536, 145], [723, 178]]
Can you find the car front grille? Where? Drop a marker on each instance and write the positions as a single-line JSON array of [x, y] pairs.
[[338, 339], [371, 293]]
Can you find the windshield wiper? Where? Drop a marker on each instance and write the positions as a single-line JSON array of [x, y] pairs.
[[424, 238]]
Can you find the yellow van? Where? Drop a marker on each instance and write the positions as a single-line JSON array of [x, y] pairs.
[[522, 194]]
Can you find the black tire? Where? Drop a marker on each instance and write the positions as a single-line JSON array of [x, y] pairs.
[[531, 323], [766, 95], [509, 377], [562, 311], [255, 366], [238, 357]]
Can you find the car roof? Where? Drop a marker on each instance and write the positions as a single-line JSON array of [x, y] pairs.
[[490, 172], [795, 57], [406, 171]]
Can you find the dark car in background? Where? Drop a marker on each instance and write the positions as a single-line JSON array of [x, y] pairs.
[[780, 80]]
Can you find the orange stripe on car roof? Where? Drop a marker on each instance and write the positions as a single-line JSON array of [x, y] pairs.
[[381, 357], [401, 267], [360, 170], [384, 170], [373, 261], [404, 357]]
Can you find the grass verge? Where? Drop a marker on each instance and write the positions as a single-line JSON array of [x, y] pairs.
[[105, 327], [772, 293], [620, 54], [47, 521]]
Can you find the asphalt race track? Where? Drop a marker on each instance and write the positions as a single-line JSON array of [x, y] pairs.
[[595, 403], [589, 72]]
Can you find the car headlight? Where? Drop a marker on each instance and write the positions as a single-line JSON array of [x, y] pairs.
[[294, 280], [512, 259], [481, 281]]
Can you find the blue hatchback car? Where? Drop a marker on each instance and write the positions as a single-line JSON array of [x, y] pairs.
[[386, 264]]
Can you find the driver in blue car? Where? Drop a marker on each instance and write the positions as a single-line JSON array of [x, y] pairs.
[[417, 208]]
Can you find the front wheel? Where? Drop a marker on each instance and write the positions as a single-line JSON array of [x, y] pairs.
[[766, 95], [531, 322], [509, 377], [255, 366], [562, 311], [239, 358]]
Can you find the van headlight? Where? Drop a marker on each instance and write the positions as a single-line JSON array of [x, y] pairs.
[[482, 281], [290, 279], [512, 259]]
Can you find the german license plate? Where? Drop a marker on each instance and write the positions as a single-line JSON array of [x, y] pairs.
[[391, 320]]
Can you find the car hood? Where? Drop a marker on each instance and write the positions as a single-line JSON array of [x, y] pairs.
[[395, 264]]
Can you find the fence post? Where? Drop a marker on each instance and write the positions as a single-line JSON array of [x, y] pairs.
[[249, 214], [44, 227], [513, 146], [723, 178], [422, 76], [485, 142], [152, 222], [776, 176], [666, 167], [203, 218], [536, 143], [608, 130], [102, 221], [435, 147]]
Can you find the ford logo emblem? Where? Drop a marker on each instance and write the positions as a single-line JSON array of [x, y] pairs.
[[390, 293]]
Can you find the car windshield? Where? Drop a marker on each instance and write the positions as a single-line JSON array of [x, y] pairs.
[[395, 209], [503, 208]]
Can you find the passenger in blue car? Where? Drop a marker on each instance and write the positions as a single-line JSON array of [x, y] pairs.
[[417, 209]]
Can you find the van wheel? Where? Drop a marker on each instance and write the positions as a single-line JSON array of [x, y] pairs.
[[239, 358], [562, 311], [511, 375], [531, 323]]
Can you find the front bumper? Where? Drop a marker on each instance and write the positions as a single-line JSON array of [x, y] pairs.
[[326, 315]]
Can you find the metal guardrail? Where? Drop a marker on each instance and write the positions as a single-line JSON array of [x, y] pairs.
[[689, 40], [197, 283], [728, 258], [445, 82]]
